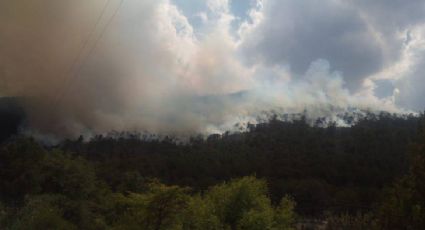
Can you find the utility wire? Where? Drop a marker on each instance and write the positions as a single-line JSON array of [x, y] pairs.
[[78, 65], [60, 94]]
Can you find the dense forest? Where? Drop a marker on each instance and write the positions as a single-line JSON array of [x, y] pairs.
[[275, 175]]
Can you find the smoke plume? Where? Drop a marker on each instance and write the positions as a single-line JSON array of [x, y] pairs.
[[91, 66]]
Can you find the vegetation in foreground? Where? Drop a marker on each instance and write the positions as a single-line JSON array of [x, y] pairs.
[[53, 190], [368, 176]]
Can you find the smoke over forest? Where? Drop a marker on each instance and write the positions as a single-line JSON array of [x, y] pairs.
[[93, 66], [213, 114]]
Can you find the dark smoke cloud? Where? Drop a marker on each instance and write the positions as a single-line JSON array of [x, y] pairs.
[[144, 73], [146, 68]]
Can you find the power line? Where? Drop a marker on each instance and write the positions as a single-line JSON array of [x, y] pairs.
[[78, 65], [56, 99]]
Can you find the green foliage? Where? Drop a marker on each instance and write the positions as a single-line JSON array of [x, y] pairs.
[[285, 214], [404, 206], [40, 213], [199, 216], [338, 169], [244, 204], [104, 183], [256, 220], [130, 181], [230, 201], [240, 204], [164, 206], [127, 212], [20, 172], [71, 176], [404, 203], [57, 186], [161, 207]]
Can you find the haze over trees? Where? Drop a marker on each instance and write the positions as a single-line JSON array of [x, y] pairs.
[[273, 176], [212, 114]]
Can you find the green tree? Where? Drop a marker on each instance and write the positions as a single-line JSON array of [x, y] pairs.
[[20, 169], [257, 220], [230, 201], [404, 206], [285, 215], [164, 206], [199, 216], [42, 213], [161, 207], [244, 204], [71, 176]]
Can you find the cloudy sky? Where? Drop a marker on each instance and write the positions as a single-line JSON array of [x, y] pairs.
[[201, 66]]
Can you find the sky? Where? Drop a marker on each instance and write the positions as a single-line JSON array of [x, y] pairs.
[[192, 66]]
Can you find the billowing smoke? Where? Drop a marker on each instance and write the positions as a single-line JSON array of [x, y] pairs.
[[91, 66]]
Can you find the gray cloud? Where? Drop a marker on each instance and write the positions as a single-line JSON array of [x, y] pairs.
[[300, 32], [392, 14], [358, 38], [410, 89]]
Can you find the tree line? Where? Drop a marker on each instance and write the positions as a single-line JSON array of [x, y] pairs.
[[269, 177]]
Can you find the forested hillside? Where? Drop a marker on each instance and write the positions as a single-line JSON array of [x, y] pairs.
[[332, 168], [272, 176]]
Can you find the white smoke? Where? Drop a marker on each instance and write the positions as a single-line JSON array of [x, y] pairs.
[[145, 67]]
